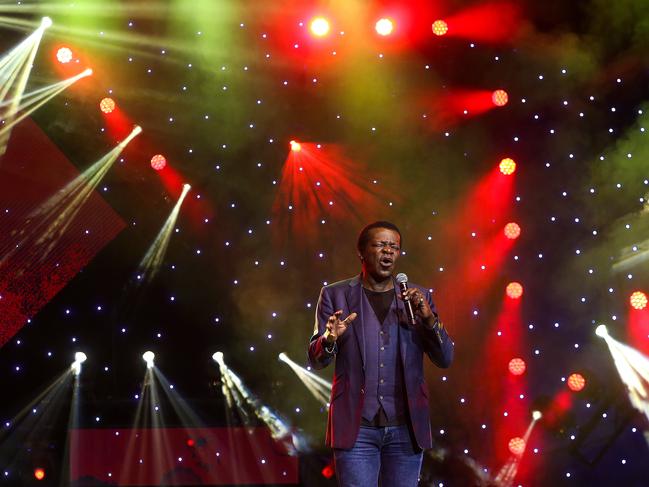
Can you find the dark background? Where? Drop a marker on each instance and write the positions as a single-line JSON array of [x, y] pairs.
[[392, 149]]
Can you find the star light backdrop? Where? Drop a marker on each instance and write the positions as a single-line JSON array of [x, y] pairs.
[[294, 123]]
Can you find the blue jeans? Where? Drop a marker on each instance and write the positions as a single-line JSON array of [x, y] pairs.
[[388, 450]]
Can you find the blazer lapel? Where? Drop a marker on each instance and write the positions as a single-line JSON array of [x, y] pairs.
[[355, 304]]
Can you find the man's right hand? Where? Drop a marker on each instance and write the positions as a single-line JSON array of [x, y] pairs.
[[336, 327]]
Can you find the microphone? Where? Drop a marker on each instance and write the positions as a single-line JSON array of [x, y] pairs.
[[402, 279]]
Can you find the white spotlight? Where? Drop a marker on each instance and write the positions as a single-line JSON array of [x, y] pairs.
[[46, 22], [218, 357], [283, 357], [536, 415], [148, 357], [87, 72], [137, 130], [79, 358], [187, 186], [601, 331]]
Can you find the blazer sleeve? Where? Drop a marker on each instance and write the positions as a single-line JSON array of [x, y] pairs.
[[437, 344], [321, 354]]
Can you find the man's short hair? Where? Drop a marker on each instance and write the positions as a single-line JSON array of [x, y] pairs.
[[364, 236]]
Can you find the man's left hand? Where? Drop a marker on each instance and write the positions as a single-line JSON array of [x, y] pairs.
[[419, 304]]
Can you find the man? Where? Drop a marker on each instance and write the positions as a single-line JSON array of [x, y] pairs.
[[378, 416]]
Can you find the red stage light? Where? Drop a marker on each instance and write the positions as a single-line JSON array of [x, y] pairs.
[[319, 26], [512, 231], [576, 382], [158, 162], [295, 146], [517, 445], [64, 55], [514, 290], [384, 27], [517, 366], [638, 300], [440, 27], [39, 473], [107, 105], [191, 442], [507, 166], [500, 98], [328, 471]]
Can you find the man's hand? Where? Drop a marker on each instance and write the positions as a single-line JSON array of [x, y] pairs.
[[336, 327], [419, 304]]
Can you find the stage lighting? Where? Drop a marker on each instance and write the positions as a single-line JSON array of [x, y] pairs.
[[158, 162], [107, 105], [517, 366], [319, 27], [512, 231], [79, 358], [152, 261], [500, 98], [39, 473], [514, 290], [46, 22], [148, 357], [295, 146], [601, 331], [283, 357], [384, 27], [633, 367], [328, 471], [87, 72], [576, 382], [440, 27], [64, 55], [507, 166], [136, 130], [517, 445], [218, 357], [536, 415], [638, 300]]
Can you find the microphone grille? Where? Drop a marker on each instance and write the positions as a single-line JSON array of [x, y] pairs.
[[401, 277]]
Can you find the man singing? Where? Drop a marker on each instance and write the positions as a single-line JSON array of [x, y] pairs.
[[378, 417]]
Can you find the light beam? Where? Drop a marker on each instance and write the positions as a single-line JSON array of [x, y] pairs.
[[15, 68], [633, 368], [507, 474], [240, 397], [154, 257], [49, 222], [317, 386]]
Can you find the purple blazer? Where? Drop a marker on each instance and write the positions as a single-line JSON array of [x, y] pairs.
[[348, 390]]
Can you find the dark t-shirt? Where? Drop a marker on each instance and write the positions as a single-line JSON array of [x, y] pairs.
[[380, 302]]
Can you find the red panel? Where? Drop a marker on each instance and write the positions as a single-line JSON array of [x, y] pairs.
[[33, 270], [179, 456]]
